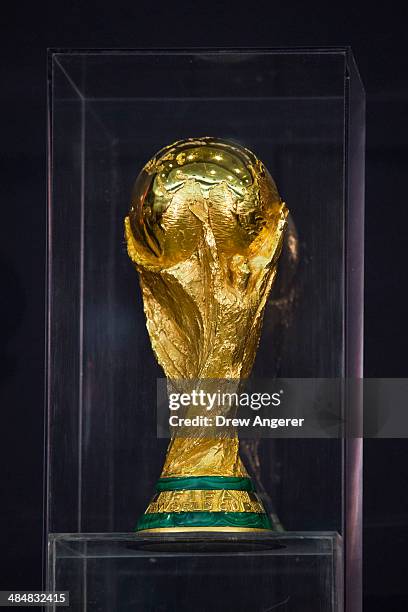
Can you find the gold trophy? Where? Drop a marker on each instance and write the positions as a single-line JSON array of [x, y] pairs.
[[205, 232]]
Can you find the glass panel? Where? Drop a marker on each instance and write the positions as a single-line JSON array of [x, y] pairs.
[[291, 572]]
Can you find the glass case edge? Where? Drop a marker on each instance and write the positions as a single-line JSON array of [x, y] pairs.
[[354, 310], [335, 49]]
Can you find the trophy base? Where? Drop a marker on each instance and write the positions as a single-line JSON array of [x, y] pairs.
[[204, 529], [197, 572], [204, 503], [204, 521]]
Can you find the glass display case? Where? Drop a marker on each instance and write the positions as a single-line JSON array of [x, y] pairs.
[[291, 571], [301, 111]]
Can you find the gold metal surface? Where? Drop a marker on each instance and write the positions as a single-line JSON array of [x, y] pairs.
[[205, 232], [194, 529], [209, 501]]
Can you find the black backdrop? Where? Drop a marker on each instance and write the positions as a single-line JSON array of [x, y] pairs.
[[378, 38]]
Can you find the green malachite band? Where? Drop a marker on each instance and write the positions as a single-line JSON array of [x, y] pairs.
[[208, 483], [203, 519]]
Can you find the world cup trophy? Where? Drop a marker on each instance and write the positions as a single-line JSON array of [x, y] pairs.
[[205, 231]]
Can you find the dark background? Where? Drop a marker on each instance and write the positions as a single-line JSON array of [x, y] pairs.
[[378, 36]]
